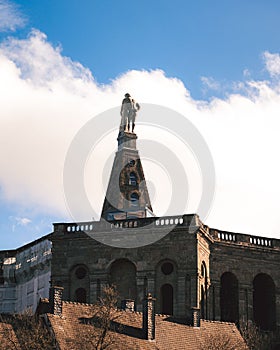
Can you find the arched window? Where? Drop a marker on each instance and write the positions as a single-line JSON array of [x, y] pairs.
[[134, 199], [203, 270], [166, 296], [132, 179], [229, 298], [203, 291], [264, 301], [123, 276], [81, 295]]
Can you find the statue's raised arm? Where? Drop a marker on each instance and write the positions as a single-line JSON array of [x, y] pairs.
[[129, 110]]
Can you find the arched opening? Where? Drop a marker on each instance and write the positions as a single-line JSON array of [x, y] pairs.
[[203, 291], [132, 179], [166, 296], [123, 276], [134, 199], [81, 295], [229, 298], [203, 270], [264, 301]]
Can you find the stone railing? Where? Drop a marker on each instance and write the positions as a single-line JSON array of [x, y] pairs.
[[153, 222], [239, 238]]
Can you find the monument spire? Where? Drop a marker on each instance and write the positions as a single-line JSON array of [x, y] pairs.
[[127, 194]]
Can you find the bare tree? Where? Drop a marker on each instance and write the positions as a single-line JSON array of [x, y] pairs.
[[255, 338], [221, 341], [8, 339], [30, 332], [102, 323]]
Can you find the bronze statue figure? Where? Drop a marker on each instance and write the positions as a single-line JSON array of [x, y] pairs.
[[129, 110]]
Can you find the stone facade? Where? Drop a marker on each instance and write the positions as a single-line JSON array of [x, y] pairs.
[[24, 276], [192, 266]]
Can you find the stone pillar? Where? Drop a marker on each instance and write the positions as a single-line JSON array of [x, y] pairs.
[[149, 317], [142, 289], [95, 290], [215, 301], [151, 284], [196, 317], [211, 302], [194, 290], [188, 297], [277, 302], [128, 305], [180, 307], [55, 300], [250, 306], [244, 303]]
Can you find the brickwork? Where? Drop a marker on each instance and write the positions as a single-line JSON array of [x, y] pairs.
[[128, 305], [149, 317], [56, 300]]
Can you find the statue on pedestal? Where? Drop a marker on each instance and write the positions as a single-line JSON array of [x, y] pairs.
[[129, 110]]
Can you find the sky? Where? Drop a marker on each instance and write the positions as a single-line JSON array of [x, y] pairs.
[[62, 63]]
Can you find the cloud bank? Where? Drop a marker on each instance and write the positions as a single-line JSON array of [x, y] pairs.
[[46, 98], [11, 17]]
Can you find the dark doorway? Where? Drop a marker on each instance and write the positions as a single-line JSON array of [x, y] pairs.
[[81, 295], [123, 276], [264, 301], [166, 293], [229, 298]]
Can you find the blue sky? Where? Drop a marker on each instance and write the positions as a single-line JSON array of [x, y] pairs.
[[219, 58], [186, 39]]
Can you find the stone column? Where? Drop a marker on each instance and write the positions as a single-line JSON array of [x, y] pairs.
[[142, 289], [151, 284], [244, 302], [194, 290], [277, 302], [95, 289], [215, 300], [180, 307], [250, 306]]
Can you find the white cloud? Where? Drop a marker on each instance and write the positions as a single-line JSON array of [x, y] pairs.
[[210, 83], [23, 221], [272, 63], [19, 221], [11, 17], [46, 98]]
